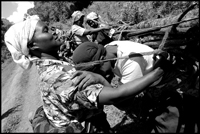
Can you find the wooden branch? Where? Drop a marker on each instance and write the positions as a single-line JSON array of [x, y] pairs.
[[173, 27], [168, 43], [135, 32], [182, 15]]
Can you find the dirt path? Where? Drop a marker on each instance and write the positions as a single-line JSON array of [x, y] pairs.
[[19, 97]]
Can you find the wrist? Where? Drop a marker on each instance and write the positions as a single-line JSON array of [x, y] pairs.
[[103, 81]]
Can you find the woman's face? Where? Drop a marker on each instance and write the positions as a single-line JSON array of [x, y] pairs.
[[45, 40]]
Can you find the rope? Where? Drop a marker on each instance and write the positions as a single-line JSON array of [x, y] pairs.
[[92, 63]]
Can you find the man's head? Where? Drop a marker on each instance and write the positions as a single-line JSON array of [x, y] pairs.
[[89, 51], [92, 19], [78, 18]]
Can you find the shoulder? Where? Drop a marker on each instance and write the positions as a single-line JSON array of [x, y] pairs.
[[76, 28]]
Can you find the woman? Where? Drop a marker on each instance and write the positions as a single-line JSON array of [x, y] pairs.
[[102, 37], [78, 30], [66, 107]]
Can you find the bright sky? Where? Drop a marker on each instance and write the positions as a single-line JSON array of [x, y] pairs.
[[14, 11]]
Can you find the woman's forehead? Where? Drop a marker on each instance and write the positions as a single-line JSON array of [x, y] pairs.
[[40, 24], [39, 28]]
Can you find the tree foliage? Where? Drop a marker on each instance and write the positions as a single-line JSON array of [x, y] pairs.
[[136, 11], [5, 25], [57, 11]]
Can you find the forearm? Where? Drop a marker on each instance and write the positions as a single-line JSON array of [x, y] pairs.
[[91, 31], [110, 95], [104, 82], [148, 70], [135, 87]]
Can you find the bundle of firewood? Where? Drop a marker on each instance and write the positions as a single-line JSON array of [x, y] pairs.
[[151, 32], [182, 44]]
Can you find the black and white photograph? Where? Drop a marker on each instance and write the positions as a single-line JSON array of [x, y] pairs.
[[100, 67]]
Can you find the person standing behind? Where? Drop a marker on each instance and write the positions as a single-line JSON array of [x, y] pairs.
[[102, 37], [80, 33]]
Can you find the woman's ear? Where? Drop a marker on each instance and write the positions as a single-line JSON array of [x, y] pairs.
[[34, 50]]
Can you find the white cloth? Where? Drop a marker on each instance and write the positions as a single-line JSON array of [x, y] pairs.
[[78, 34], [133, 68], [92, 16], [17, 38], [76, 16]]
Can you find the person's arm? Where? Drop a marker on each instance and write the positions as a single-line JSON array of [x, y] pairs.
[[86, 78], [91, 31], [110, 95]]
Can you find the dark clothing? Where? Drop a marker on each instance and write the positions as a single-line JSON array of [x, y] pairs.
[[91, 52], [102, 38]]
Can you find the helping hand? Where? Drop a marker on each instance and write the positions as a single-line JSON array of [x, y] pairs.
[[85, 78], [106, 27], [161, 60]]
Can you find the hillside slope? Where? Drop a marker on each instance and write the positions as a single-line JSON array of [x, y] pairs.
[[19, 97]]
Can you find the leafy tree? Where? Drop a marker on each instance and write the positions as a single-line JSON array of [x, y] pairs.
[[57, 11], [5, 25]]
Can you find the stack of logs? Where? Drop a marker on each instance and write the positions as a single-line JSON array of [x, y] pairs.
[[180, 40]]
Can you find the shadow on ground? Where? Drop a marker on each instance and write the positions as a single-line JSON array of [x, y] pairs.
[[10, 111]]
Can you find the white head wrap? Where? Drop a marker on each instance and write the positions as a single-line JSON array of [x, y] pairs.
[[92, 16], [76, 16], [16, 39]]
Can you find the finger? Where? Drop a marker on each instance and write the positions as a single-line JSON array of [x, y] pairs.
[[83, 81], [88, 82], [79, 79], [77, 73]]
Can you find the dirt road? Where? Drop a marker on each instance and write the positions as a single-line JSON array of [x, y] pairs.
[[19, 97]]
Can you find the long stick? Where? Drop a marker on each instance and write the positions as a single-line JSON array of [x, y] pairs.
[[92, 63], [153, 29]]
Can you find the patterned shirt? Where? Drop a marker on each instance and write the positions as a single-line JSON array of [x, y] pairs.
[[63, 102]]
